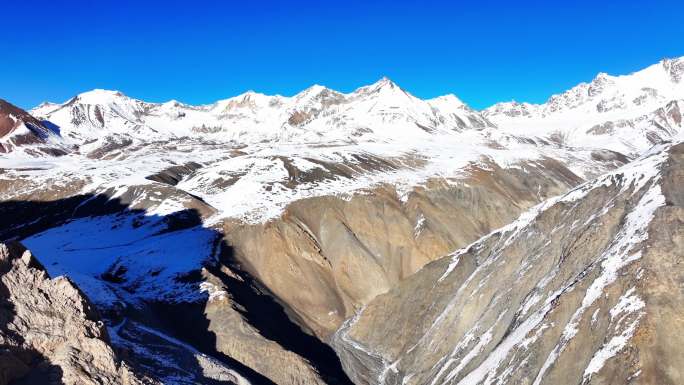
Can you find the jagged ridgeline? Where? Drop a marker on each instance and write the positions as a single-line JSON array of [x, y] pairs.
[[368, 237]]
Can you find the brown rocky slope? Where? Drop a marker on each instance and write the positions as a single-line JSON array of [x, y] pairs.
[[326, 257], [585, 288]]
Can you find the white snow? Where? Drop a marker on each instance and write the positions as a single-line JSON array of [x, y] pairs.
[[628, 303], [418, 228], [213, 291], [86, 248], [610, 349]]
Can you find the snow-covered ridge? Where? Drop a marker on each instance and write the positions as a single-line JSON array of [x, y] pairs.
[[612, 112], [19, 129], [316, 115], [661, 81], [615, 110]]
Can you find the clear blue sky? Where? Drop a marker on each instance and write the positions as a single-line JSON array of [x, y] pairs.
[[200, 51]]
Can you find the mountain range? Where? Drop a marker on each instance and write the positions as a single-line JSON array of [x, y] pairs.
[[369, 237]]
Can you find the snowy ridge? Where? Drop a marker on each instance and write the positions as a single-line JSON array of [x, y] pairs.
[[24, 134], [619, 112], [258, 153], [315, 115]]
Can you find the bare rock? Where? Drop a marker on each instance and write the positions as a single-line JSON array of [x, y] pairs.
[[49, 332]]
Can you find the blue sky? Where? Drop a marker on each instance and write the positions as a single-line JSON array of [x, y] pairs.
[[201, 51]]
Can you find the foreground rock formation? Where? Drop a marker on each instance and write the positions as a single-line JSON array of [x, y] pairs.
[[49, 332], [584, 288]]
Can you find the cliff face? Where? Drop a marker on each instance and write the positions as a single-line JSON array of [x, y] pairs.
[[49, 332], [584, 288]]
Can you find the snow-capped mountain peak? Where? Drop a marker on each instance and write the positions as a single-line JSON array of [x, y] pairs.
[[384, 84], [317, 114], [173, 103], [315, 89], [655, 83], [248, 100], [621, 111], [44, 108], [383, 111], [448, 102], [512, 109], [100, 96], [317, 96]]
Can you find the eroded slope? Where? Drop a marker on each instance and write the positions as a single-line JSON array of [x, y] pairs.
[[584, 288]]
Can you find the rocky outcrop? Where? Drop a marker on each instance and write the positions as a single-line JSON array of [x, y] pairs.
[[174, 174], [49, 332], [584, 288]]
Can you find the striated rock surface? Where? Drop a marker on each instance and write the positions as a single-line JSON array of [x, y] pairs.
[[327, 257], [49, 331], [584, 289]]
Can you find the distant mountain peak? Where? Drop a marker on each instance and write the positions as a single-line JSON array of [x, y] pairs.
[[99, 96], [46, 105], [312, 92], [385, 82], [382, 84], [174, 103], [447, 99], [314, 89]]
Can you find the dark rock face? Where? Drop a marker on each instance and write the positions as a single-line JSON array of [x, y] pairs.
[[174, 174]]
